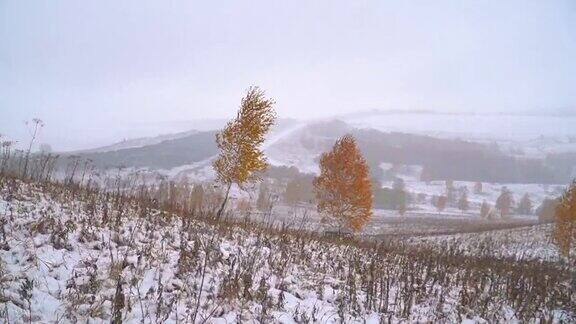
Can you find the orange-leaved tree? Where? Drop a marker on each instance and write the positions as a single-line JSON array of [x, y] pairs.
[[565, 229], [241, 159], [343, 188]]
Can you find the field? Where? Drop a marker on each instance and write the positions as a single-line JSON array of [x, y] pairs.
[[76, 255], [521, 243], [138, 246]]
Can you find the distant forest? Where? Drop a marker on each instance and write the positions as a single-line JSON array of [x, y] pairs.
[[461, 160], [164, 155], [441, 159]]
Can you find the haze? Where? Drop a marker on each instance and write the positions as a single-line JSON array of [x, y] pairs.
[[107, 69]]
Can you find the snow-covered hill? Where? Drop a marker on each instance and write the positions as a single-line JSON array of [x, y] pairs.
[[478, 127], [138, 142], [70, 255], [530, 242]]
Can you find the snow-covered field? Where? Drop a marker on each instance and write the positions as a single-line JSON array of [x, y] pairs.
[[524, 243], [389, 224], [76, 264], [76, 256], [490, 192]]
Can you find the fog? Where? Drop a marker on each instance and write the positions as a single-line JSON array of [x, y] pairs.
[[278, 161], [103, 71]]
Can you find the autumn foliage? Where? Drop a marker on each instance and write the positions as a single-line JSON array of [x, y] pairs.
[[565, 230], [343, 188], [241, 159]]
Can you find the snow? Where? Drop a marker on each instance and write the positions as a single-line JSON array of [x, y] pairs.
[[490, 191], [160, 265], [138, 142], [532, 135], [487, 127], [526, 243]]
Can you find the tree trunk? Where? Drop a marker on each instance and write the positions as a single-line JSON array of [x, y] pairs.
[[221, 210]]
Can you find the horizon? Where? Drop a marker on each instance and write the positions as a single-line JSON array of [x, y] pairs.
[[88, 139], [85, 66]]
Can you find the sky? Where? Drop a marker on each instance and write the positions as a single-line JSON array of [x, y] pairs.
[[99, 71]]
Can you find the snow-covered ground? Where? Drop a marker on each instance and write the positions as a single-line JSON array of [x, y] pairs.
[[72, 256], [525, 243], [490, 192], [75, 264]]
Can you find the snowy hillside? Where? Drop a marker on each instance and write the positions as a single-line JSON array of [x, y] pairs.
[[72, 255], [303, 145], [138, 142], [490, 193], [521, 135], [481, 127], [530, 242], [530, 159]]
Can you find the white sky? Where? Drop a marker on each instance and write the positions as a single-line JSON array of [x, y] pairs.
[[98, 68]]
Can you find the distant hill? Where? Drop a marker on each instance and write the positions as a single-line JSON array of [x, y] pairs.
[[163, 151], [442, 158], [138, 142], [300, 144], [166, 154]]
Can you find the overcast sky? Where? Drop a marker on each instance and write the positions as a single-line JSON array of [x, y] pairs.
[[106, 66]]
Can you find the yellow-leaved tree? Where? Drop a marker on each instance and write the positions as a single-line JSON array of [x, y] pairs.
[[241, 159], [565, 229], [343, 188]]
